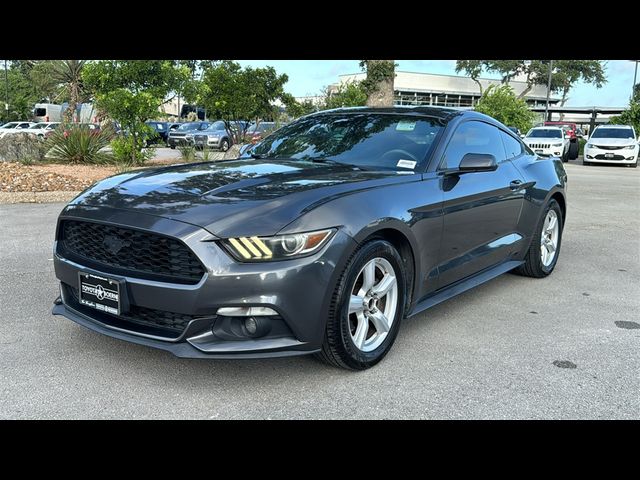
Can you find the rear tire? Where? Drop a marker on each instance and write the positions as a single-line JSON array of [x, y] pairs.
[[534, 265], [347, 318], [573, 150]]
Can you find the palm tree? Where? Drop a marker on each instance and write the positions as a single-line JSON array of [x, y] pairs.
[[69, 74]]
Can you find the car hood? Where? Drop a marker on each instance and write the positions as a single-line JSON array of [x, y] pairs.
[[613, 142], [237, 197], [543, 140]]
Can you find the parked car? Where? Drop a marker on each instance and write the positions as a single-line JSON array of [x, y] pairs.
[[548, 142], [257, 132], [66, 127], [40, 129], [184, 133], [322, 240], [216, 136], [161, 132], [14, 127], [612, 144], [572, 131]]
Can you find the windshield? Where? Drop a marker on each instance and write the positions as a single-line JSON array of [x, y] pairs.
[[10, 125], [217, 126], [545, 133], [612, 133], [38, 126], [366, 139], [188, 126]]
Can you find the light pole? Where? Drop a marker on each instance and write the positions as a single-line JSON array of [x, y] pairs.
[[6, 90], [546, 109], [635, 76]]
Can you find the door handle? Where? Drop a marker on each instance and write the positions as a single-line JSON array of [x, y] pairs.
[[515, 185]]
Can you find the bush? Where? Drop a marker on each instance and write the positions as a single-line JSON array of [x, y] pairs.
[[503, 105], [629, 117], [124, 151], [22, 147], [187, 152], [75, 144]]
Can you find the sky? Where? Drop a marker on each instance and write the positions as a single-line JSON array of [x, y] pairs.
[[308, 77]]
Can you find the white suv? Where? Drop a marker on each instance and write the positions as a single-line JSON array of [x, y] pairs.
[[612, 144], [549, 142]]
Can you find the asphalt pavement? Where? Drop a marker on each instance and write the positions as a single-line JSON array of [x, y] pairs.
[[562, 347]]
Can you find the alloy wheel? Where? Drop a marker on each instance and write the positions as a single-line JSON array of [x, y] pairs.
[[549, 238]]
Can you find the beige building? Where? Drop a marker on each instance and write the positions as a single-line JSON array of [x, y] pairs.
[[412, 88]]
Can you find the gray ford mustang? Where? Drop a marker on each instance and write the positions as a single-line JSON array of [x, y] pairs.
[[320, 239]]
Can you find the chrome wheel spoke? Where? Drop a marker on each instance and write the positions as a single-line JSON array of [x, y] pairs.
[[380, 321], [356, 304], [549, 238], [361, 331], [369, 275], [386, 284]]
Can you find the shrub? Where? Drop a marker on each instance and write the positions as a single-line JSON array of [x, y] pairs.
[[22, 147], [187, 152], [503, 105], [76, 144], [124, 150]]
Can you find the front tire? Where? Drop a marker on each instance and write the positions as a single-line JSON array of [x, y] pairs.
[[542, 256], [366, 308], [224, 145]]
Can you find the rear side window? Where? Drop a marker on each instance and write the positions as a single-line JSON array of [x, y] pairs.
[[473, 137], [512, 147]]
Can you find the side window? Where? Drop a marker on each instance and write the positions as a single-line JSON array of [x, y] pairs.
[[512, 146], [473, 137]]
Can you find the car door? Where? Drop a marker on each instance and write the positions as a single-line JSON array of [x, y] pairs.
[[480, 209]]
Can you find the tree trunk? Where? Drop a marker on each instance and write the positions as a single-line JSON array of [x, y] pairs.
[[479, 85], [525, 91], [134, 150], [382, 94], [562, 102]]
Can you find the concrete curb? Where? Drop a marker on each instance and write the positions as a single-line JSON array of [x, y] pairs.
[[36, 197]]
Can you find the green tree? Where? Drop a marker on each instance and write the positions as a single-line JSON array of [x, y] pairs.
[[348, 94], [502, 104], [295, 109], [22, 94], [629, 117], [566, 73], [68, 73], [233, 93], [131, 92]]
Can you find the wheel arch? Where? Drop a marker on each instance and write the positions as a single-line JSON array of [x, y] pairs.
[[404, 242]]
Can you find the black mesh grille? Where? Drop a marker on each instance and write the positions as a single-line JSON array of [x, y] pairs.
[[170, 321], [131, 252]]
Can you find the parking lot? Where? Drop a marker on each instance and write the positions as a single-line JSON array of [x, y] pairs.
[[562, 347]]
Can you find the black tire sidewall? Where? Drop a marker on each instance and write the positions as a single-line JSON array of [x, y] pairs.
[[351, 355], [551, 205], [222, 145]]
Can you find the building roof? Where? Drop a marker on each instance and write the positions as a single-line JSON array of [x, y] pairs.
[[450, 84]]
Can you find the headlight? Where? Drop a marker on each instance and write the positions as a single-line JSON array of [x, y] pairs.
[[556, 145], [213, 137], [589, 145], [279, 247], [188, 136], [632, 146]]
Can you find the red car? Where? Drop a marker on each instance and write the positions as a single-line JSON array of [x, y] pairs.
[[570, 129]]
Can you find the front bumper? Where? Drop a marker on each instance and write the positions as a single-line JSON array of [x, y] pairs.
[[298, 290], [548, 152], [176, 142], [622, 156], [199, 142]]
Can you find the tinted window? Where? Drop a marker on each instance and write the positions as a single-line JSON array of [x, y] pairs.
[[41, 112], [188, 126], [217, 126], [10, 125], [512, 146], [473, 137], [612, 133], [366, 139], [545, 133]]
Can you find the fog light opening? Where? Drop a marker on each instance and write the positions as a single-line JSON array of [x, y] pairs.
[[251, 325], [630, 158], [589, 156]]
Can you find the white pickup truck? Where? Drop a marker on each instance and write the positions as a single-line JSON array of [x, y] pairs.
[[548, 142]]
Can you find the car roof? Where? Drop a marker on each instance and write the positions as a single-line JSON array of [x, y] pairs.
[[439, 112], [547, 127]]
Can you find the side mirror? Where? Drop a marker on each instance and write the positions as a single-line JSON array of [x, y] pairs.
[[245, 148], [478, 162]]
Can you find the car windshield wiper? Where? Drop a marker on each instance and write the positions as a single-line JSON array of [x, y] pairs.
[[326, 160]]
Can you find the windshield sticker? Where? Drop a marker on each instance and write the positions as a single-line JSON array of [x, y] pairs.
[[406, 164], [405, 126]]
